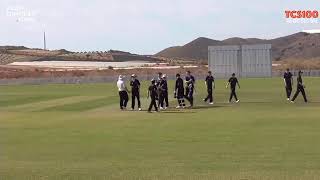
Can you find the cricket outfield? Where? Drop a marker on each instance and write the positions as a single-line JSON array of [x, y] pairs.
[[62, 132]]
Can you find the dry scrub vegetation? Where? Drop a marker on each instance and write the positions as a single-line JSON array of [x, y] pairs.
[[307, 64]]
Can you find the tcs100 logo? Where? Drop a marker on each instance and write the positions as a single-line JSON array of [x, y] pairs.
[[302, 16]]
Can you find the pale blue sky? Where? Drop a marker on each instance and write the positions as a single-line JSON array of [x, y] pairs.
[[144, 26]]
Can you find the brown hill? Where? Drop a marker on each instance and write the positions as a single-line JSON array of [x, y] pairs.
[[197, 49], [10, 54], [296, 46], [239, 41], [300, 45], [2, 48]]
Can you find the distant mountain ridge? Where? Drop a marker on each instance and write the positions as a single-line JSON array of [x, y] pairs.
[[10, 54], [13, 48], [300, 45]]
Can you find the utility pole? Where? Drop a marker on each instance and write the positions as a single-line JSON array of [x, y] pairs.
[[44, 41]]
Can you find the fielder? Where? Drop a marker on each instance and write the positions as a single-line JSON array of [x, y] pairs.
[[179, 92], [190, 81], [300, 88], [152, 92], [233, 82], [164, 97], [288, 82], [135, 92], [157, 83], [209, 82]]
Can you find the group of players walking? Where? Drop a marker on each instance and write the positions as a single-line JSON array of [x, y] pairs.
[[288, 81], [158, 91], [185, 89]]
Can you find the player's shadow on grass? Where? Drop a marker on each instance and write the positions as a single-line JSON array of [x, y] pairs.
[[168, 111], [256, 102], [176, 112], [208, 107], [189, 110]]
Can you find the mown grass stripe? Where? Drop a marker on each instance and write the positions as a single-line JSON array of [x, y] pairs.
[[37, 106], [84, 105], [22, 100]]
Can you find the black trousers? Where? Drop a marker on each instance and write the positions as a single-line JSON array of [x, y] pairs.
[[123, 99], [153, 103], [209, 97], [180, 98], [189, 96], [164, 99], [135, 94], [300, 89], [288, 91], [233, 94], [159, 97]]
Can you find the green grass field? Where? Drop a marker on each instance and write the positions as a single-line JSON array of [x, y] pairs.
[[64, 132]]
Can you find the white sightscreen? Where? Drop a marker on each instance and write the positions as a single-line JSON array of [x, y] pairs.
[[256, 60], [245, 60], [223, 60]]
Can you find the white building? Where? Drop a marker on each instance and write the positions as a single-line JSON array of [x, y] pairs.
[[244, 60]]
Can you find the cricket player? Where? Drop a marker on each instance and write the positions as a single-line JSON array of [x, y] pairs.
[[190, 81], [209, 82], [135, 92], [179, 92], [189, 95], [157, 83], [233, 82], [189, 77], [164, 92], [300, 88], [288, 82], [152, 92], [159, 78], [123, 92]]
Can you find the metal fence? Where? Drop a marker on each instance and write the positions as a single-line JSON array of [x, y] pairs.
[[106, 79], [72, 80], [311, 73]]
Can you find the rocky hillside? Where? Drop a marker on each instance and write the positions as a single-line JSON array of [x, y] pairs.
[[296, 46]]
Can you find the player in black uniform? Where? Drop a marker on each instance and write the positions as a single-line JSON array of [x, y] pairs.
[[164, 92], [189, 77], [210, 86], [300, 88], [233, 82], [152, 93], [179, 92], [288, 82], [189, 96], [190, 81], [157, 83], [135, 90]]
